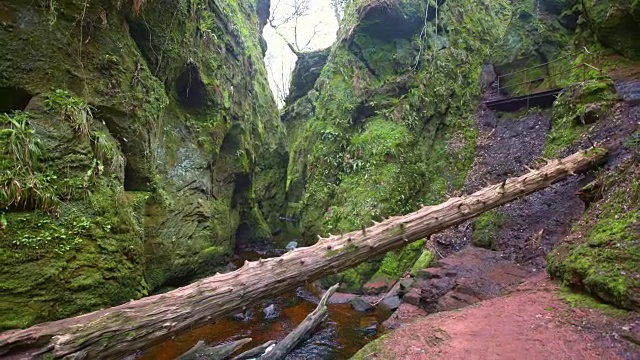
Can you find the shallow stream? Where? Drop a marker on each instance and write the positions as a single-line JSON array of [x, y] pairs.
[[340, 336]]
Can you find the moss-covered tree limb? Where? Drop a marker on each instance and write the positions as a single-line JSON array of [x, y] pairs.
[[118, 331]]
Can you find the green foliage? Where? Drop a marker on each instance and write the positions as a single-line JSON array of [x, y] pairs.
[[578, 300], [486, 226], [23, 147], [605, 261], [22, 186], [51, 236], [395, 263], [567, 122], [28, 191], [71, 108], [107, 150], [634, 143], [423, 262]]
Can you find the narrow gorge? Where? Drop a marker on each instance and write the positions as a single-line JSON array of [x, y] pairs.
[[143, 151]]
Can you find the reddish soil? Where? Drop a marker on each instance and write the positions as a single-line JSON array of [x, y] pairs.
[[530, 323]]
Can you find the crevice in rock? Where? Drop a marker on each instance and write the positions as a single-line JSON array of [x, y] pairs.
[[386, 23], [240, 190], [232, 141], [137, 173], [142, 35], [13, 99], [191, 90], [243, 233]]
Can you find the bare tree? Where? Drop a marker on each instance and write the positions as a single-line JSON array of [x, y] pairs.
[[338, 7], [279, 79], [287, 16]]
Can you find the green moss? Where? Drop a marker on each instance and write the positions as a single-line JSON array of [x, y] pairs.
[[374, 347], [567, 122], [54, 267], [578, 300], [392, 123], [605, 260], [486, 226], [423, 262], [615, 22], [119, 97], [396, 263]]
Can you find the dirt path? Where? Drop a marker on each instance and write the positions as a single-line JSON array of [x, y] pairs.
[[530, 323]]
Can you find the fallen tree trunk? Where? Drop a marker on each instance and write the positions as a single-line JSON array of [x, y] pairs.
[[312, 320], [202, 351], [118, 331]]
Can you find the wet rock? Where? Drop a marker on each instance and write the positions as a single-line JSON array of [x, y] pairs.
[[370, 330], [368, 326], [359, 304], [406, 283], [270, 312], [341, 298], [391, 303], [405, 313], [243, 316], [464, 278], [412, 297], [376, 287]]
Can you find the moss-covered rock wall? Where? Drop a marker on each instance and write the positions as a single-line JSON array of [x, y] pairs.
[[153, 145], [616, 23], [387, 126]]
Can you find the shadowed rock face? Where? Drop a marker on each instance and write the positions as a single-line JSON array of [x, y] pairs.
[[306, 72], [617, 24]]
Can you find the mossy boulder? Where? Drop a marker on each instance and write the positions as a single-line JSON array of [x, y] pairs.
[[576, 108], [602, 255], [616, 23], [538, 38]]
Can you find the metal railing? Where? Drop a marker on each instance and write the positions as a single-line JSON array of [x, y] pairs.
[[552, 78]]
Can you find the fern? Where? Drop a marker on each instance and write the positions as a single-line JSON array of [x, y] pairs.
[[106, 151], [71, 108], [23, 146]]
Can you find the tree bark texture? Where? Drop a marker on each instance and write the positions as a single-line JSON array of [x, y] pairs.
[[138, 325]]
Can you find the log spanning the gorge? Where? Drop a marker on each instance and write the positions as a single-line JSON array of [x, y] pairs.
[[138, 325]]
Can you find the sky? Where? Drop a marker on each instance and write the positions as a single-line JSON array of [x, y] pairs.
[[279, 59]]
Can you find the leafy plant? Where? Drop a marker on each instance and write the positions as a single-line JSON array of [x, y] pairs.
[[24, 190], [106, 150], [74, 109], [21, 185], [23, 146]]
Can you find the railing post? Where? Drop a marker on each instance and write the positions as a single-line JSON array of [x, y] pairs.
[[600, 62]]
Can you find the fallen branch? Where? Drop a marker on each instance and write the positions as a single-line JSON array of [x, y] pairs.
[[255, 352], [138, 325], [220, 352], [312, 320]]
